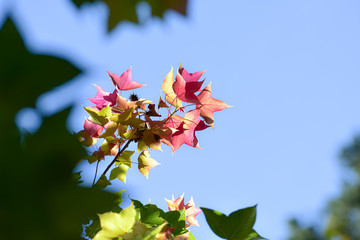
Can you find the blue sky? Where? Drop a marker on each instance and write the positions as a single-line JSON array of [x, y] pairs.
[[289, 68]]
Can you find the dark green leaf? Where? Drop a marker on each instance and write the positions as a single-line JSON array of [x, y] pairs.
[[217, 222], [137, 203], [93, 228], [254, 236], [25, 75], [176, 219], [237, 226], [77, 177], [150, 214], [241, 223], [125, 10], [103, 182]]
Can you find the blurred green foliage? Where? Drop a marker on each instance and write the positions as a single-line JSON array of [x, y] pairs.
[[125, 10], [343, 212], [40, 198]]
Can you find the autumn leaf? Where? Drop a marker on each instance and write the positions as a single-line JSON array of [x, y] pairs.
[[208, 105], [103, 98], [124, 82], [190, 210], [88, 136], [146, 163], [186, 130], [110, 129], [162, 104], [185, 86], [151, 111], [190, 77], [167, 87]]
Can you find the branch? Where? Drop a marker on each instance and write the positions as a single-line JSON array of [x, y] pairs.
[[117, 155]]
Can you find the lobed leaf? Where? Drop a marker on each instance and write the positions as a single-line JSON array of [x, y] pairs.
[[146, 163]]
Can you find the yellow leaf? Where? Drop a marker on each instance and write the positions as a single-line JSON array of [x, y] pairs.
[[167, 87]]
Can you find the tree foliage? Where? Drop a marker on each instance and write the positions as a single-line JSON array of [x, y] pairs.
[[125, 10], [42, 198], [343, 212]]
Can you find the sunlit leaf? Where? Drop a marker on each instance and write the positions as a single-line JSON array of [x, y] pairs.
[[146, 163], [113, 225], [167, 88], [119, 172]]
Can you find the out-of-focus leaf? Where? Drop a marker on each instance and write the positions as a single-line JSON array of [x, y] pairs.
[[125, 10], [77, 177], [103, 182], [40, 169], [24, 75]]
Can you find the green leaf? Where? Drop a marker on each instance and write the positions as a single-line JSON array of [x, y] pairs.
[[126, 117], [77, 177], [103, 182], [56, 207], [119, 172], [237, 226], [254, 236], [137, 203], [99, 117], [191, 236], [150, 214], [139, 232], [176, 219], [109, 130], [125, 158], [242, 222], [113, 225], [125, 10], [93, 228], [155, 231], [217, 222], [131, 134]]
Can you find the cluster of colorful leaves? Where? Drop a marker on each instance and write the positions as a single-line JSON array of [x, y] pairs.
[[149, 222], [119, 121]]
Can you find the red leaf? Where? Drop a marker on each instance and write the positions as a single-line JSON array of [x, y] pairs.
[[186, 128], [186, 85]]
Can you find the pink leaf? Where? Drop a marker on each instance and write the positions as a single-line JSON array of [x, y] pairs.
[[124, 82], [208, 105], [92, 129], [103, 98]]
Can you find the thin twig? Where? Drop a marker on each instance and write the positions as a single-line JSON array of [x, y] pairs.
[[97, 167], [117, 155]]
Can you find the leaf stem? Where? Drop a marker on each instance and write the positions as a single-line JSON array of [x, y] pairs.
[[168, 118]]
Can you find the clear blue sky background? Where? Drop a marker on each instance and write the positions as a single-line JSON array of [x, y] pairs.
[[289, 68]]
